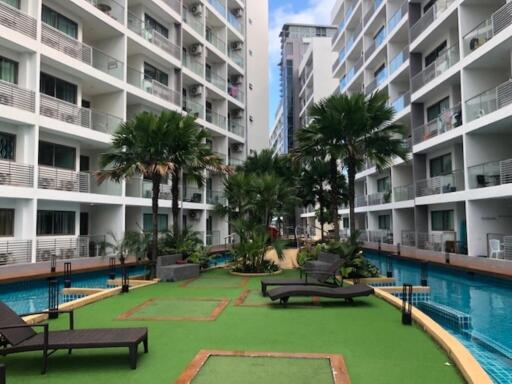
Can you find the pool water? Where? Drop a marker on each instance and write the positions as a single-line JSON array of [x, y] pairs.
[[219, 260], [32, 295], [486, 300]]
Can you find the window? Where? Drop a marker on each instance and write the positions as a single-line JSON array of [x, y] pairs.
[[321, 32], [432, 56], [154, 73], [8, 70], [154, 25], [55, 155], [163, 222], [384, 184], [7, 146], [380, 71], [60, 22], [12, 3], [6, 222], [55, 223], [55, 87], [441, 165], [442, 220], [345, 222], [379, 36], [435, 110], [385, 222]]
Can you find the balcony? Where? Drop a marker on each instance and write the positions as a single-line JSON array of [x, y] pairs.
[[216, 41], [16, 175], [18, 21], [384, 236], [490, 174], [193, 108], [64, 247], [235, 162], [193, 21], [408, 238], [446, 121], [438, 242], [111, 8], [488, 28], [447, 59], [236, 91], [355, 69], [215, 197], [401, 102], [15, 252], [153, 87], [376, 43], [71, 113], [77, 50], [375, 5], [489, 101], [174, 5], [237, 57], [361, 201], [379, 198], [14, 96], [499, 246], [237, 128], [153, 36], [404, 193], [376, 82], [395, 19], [194, 65], [218, 6], [355, 35], [429, 17], [397, 61], [138, 187], [216, 119], [439, 185], [235, 22], [67, 180], [192, 195], [216, 80]]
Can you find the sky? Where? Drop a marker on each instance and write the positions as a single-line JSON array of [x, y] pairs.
[[290, 11]]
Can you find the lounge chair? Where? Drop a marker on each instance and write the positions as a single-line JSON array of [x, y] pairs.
[[314, 277], [324, 261], [18, 336], [348, 293]]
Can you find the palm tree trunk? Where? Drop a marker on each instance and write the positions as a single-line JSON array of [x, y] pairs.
[[175, 195], [334, 197], [321, 210], [351, 174], [154, 220]]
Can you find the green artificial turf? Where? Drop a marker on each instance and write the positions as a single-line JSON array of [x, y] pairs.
[[165, 307], [215, 280], [257, 370], [376, 347]]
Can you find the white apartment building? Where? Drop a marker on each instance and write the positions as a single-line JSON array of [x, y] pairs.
[[277, 142], [71, 71], [446, 66]]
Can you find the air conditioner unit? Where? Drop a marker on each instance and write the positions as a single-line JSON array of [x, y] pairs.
[[196, 90], [237, 45], [196, 49], [197, 9], [5, 99], [237, 79], [238, 12], [237, 147]]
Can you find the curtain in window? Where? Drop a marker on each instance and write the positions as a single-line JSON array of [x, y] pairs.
[[12, 3], [162, 220], [7, 146], [55, 223], [54, 155], [442, 221], [7, 222], [8, 70], [60, 22]]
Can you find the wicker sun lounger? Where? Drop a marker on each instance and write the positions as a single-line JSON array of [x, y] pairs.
[[325, 277], [348, 293], [18, 336]]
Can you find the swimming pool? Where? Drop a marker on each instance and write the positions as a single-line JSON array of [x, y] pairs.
[[220, 260], [486, 300], [32, 295]]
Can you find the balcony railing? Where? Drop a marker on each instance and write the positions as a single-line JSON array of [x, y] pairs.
[[446, 121], [216, 80], [404, 193], [153, 36], [235, 22], [174, 4], [219, 7], [193, 108], [490, 174], [437, 241], [382, 235], [446, 59], [192, 195], [63, 180], [371, 11], [18, 21], [355, 69], [215, 197], [237, 57], [15, 252], [488, 28], [408, 238], [14, 96], [111, 8], [193, 21], [395, 19], [499, 246], [401, 102], [216, 41], [138, 187], [376, 43], [216, 119], [489, 101], [398, 60], [55, 39], [452, 182], [361, 201], [376, 82], [355, 35], [194, 65], [235, 162], [15, 174], [429, 17], [237, 128], [236, 91], [379, 198], [153, 87], [65, 247]]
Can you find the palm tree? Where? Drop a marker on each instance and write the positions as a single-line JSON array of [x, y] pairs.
[[156, 147], [351, 129]]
